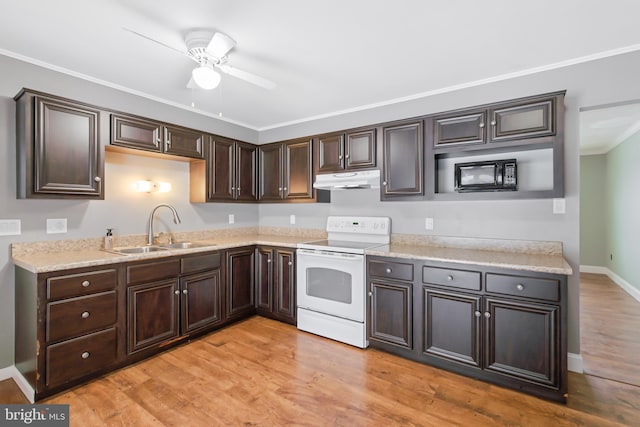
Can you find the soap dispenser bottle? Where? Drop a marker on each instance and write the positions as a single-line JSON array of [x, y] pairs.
[[108, 239]]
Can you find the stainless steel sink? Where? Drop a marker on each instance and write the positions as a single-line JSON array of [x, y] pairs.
[[138, 250], [184, 245]]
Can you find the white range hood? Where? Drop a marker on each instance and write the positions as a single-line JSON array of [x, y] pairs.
[[348, 180]]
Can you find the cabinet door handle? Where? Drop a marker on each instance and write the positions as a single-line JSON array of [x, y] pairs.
[[184, 291], [384, 183], [268, 260], [487, 314], [370, 293], [177, 292], [157, 141], [346, 156], [449, 277], [86, 284], [285, 188], [279, 188], [233, 188], [290, 263], [340, 157], [493, 122], [481, 125], [388, 270], [520, 287], [477, 313], [97, 179], [85, 314], [238, 190], [85, 355]]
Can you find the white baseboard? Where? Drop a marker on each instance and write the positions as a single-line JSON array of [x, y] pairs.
[[574, 363], [23, 384], [626, 286]]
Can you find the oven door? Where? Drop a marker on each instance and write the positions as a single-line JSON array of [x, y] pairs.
[[331, 283]]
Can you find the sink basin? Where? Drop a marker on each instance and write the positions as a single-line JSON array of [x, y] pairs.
[[183, 245], [139, 250]]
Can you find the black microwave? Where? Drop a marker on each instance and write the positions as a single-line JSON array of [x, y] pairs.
[[492, 175]]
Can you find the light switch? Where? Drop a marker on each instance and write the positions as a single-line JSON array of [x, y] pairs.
[[232, 218], [292, 219], [56, 225], [559, 206], [428, 223], [10, 227]]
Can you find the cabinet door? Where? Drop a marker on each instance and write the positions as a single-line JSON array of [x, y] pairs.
[[240, 277], [298, 170], [460, 128], [285, 285], [221, 169], [184, 142], [360, 150], [264, 280], [271, 172], [522, 340], [67, 152], [152, 313], [391, 310], [133, 132], [331, 153], [246, 170], [528, 120], [201, 303], [402, 160], [452, 326]]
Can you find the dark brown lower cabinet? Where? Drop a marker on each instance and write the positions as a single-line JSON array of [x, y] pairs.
[[240, 265], [275, 283], [201, 301], [497, 325], [391, 313]]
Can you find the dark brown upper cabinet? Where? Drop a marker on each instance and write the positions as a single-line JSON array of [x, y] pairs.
[[232, 170], [286, 171], [149, 135], [514, 120], [347, 151], [402, 160], [59, 151]]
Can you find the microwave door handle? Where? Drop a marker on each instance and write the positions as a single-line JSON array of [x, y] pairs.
[[326, 254]]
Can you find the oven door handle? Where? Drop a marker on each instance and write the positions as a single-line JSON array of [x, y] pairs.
[[323, 254]]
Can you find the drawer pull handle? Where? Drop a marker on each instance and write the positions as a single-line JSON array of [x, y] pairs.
[[389, 270], [184, 291], [487, 314], [177, 292], [85, 284], [477, 313], [86, 355], [449, 277], [520, 287], [85, 314]]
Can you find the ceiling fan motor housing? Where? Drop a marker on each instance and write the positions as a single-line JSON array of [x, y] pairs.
[[197, 42]]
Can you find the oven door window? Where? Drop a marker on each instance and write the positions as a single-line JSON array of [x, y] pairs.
[[329, 284]]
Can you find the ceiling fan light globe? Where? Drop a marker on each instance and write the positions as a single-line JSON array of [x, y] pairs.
[[205, 77]]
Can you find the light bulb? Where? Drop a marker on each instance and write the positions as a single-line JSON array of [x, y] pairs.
[[205, 76]]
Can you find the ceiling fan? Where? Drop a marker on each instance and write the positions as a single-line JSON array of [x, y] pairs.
[[210, 50]]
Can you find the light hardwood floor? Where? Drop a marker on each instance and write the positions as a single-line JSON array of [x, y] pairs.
[[610, 325], [265, 373]]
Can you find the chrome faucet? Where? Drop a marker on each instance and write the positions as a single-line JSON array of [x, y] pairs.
[[176, 220]]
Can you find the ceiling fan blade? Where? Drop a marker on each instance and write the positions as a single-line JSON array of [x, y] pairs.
[[154, 40], [247, 76], [220, 45], [191, 84]]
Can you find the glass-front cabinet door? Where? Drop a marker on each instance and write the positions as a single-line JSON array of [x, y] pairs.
[[465, 128]]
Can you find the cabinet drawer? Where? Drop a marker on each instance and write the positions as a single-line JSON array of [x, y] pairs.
[[76, 316], [153, 271], [520, 286], [75, 285], [197, 263], [450, 277], [75, 358], [391, 270]]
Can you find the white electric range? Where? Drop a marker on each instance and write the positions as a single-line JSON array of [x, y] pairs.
[[331, 288]]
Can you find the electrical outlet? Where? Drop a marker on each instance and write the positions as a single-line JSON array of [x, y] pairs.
[[428, 223], [10, 227], [56, 225], [232, 219], [292, 219]]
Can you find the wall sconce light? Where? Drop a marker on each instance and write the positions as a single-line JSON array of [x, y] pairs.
[[146, 186]]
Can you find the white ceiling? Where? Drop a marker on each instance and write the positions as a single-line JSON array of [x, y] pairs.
[[326, 56], [602, 129]]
